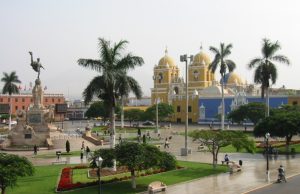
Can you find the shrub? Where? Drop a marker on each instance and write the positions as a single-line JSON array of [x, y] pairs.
[[67, 146], [167, 161]]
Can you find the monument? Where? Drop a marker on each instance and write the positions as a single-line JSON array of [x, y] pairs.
[[34, 125]]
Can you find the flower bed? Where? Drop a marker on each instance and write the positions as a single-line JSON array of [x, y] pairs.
[[65, 182]]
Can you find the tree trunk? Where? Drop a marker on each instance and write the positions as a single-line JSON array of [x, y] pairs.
[[10, 112], [223, 104], [113, 135], [133, 184], [267, 102], [122, 113], [3, 190], [214, 155]]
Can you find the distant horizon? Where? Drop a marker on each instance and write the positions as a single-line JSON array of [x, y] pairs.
[[59, 33]]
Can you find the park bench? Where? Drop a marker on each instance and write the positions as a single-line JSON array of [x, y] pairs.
[[156, 186], [227, 162]]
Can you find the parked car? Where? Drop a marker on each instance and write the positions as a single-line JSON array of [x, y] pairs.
[[149, 123]]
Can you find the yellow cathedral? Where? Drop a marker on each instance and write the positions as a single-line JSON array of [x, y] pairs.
[[170, 87]]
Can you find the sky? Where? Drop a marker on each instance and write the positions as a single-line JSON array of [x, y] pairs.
[[60, 32]]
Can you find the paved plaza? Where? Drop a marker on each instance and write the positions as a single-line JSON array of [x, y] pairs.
[[252, 175]]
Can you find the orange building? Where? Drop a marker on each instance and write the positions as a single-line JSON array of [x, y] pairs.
[[23, 101]]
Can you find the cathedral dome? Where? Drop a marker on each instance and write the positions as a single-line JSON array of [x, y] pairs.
[[233, 79], [166, 60], [201, 59]]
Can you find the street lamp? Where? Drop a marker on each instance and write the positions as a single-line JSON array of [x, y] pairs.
[[184, 58], [158, 77], [99, 161], [267, 136]]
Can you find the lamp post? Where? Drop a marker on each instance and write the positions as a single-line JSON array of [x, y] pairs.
[[99, 161], [158, 77], [184, 58], [267, 151]]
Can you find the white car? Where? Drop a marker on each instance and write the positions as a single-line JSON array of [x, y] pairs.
[[12, 122]]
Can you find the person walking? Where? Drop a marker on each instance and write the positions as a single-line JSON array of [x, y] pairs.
[[35, 148], [81, 154], [87, 151], [166, 143]]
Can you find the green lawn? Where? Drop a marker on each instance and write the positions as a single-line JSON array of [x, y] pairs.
[[46, 177], [43, 182]]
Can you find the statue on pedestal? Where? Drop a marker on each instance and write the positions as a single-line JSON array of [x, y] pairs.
[[36, 65], [37, 91]]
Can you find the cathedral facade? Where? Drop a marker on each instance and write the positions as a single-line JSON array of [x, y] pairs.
[[204, 91]]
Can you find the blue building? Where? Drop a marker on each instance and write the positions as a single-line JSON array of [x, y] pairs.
[[210, 107]]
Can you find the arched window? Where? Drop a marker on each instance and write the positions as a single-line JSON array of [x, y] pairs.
[[160, 77], [176, 90], [196, 75]]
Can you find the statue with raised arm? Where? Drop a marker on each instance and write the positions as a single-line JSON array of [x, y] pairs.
[[36, 65]]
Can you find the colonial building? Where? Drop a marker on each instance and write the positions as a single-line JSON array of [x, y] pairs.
[[204, 91], [24, 100]]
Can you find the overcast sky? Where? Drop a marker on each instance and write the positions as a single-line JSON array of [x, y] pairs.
[[62, 31]]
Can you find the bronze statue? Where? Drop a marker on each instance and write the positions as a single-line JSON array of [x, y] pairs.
[[36, 65]]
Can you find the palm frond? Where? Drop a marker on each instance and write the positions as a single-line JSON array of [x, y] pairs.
[[91, 64], [105, 52], [274, 47], [214, 50], [129, 62], [281, 59], [227, 50], [214, 64], [273, 72], [230, 64], [254, 62], [95, 88], [118, 47]]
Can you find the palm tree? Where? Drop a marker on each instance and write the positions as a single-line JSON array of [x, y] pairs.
[[113, 81], [220, 60], [266, 68], [10, 88]]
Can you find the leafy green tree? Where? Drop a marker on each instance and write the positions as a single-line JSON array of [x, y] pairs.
[[135, 157], [254, 111], [220, 60], [283, 123], [12, 167], [113, 66], [265, 68], [216, 139], [10, 87], [164, 111], [98, 109], [131, 155], [133, 114], [108, 155], [68, 146]]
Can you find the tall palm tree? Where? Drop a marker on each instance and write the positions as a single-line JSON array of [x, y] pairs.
[[220, 60], [10, 87], [113, 80], [266, 68]]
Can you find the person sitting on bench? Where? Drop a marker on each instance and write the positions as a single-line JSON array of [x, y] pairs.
[[226, 159]]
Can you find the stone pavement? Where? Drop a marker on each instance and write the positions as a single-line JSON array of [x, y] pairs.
[[252, 175]]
